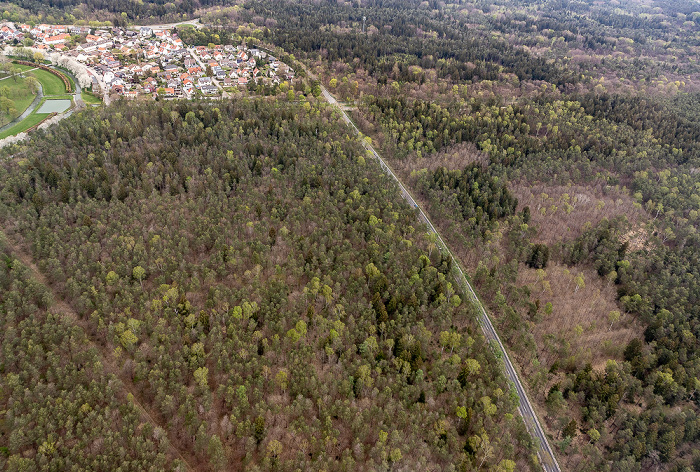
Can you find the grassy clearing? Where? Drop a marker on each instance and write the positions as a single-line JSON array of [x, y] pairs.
[[66, 73], [53, 88], [18, 93], [51, 84], [24, 125], [22, 67], [90, 99], [6, 78]]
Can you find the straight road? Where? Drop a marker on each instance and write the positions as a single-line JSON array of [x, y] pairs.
[[545, 453], [103, 87], [168, 26]]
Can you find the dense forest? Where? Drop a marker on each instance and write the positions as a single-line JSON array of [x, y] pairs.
[[570, 195], [246, 274], [258, 283], [58, 402], [117, 12]]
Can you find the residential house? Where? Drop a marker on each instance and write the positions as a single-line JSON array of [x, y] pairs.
[[195, 71], [59, 38], [80, 30]]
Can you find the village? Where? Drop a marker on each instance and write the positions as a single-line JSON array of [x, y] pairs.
[[152, 63]]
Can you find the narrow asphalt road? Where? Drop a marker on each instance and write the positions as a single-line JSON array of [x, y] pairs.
[[545, 453], [224, 93], [163, 26]]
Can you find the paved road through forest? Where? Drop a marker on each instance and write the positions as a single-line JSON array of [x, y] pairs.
[[544, 452]]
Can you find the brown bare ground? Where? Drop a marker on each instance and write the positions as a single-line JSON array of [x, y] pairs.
[[587, 307], [562, 212]]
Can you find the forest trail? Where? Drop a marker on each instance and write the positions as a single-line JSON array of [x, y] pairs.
[[107, 357]]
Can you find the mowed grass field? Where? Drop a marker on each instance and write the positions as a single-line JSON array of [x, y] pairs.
[[24, 125], [22, 67], [18, 93], [70, 79], [90, 99], [52, 87], [51, 84]]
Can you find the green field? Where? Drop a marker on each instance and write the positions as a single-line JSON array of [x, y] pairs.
[[4, 78], [67, 96], [70, 79], [19, 94], [24, 125], [15, 91], [90, 99], [51, 84], [22, 67]]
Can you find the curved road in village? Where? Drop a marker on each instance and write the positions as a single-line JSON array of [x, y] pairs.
[[544, 452]]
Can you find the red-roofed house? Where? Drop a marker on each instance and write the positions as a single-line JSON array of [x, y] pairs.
[[59, 38]]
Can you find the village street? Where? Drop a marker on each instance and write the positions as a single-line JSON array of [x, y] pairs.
[[224, 93]]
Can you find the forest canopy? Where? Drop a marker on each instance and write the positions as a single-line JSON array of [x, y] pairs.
[[262, 285], [261, 289]]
